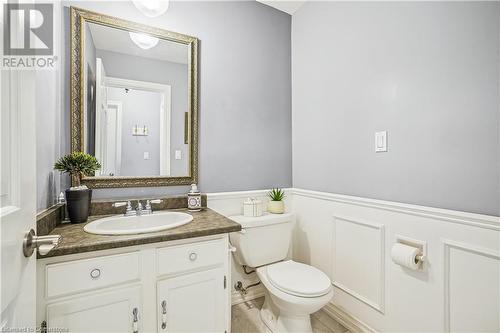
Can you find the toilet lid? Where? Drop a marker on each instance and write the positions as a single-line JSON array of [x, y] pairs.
[[298, 279]]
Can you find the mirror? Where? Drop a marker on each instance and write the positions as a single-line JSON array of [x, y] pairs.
[[134, 101]]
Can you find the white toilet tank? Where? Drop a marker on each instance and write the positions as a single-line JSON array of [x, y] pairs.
[[262, 240]]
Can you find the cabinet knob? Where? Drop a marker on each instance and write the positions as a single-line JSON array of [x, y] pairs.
[[193, 256], [95, 273]]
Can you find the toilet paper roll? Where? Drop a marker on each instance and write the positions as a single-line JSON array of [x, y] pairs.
[[405, 255]]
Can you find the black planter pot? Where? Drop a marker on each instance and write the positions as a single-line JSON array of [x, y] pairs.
[[78, 204]]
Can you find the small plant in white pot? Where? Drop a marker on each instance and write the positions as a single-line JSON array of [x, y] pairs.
[[78, 197], [276, 204]]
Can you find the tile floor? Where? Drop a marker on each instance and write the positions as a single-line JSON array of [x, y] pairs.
[[245, 319]]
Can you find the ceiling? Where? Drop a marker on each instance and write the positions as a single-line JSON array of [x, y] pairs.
[[116, 40], [286, 6]]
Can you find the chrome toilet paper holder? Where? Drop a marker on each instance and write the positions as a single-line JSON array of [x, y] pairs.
[[419, 258], [422, 245]]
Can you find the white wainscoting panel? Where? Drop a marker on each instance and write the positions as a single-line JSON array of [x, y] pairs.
[[471, 288], [383, 296], [359, 248]]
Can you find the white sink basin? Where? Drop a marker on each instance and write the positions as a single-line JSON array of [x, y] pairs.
[[121, 225]]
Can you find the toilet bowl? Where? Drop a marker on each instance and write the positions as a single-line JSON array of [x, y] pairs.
[[292, 290]]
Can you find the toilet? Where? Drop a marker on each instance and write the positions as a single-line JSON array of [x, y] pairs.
[[292, 290]]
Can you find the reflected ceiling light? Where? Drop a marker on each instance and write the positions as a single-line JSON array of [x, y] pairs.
[[151, 8], [144, 41]]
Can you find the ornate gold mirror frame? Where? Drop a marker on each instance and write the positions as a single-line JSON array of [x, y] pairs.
[[78, 18]]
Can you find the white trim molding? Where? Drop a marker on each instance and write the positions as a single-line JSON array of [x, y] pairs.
[[475, 220], [243, 194], [447, 245], [236, 194], [350, 322], [379, 304]]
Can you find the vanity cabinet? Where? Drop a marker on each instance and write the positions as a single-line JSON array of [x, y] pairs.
[[177, 286]]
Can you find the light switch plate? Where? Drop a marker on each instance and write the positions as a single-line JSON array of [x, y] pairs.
[[146, 155], [178, 154], [381, 141]]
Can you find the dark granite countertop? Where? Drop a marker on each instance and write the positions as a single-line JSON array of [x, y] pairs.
[[75, 240]]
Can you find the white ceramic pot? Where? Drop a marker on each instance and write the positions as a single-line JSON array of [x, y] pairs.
[[276, 207]]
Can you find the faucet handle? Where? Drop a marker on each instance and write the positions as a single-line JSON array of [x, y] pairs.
[[129, 211], [156, 201], [148, 205], [119, 204]]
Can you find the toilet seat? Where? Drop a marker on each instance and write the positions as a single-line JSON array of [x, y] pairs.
[[298, 279]]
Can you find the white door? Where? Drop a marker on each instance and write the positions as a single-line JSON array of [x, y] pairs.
[[112, 139], [101, 106], [17, 198], [114, 311], [192, 303]]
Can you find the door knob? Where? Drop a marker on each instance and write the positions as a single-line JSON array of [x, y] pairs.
[[43, 243]]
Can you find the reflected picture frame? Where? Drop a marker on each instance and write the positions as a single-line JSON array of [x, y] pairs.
[[78, 18]]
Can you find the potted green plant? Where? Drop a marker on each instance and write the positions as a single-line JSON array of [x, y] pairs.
[[276, 204], [78, 197]]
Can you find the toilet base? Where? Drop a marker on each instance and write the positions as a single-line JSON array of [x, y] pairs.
[[286, 313], [267, 316], [281, 323]]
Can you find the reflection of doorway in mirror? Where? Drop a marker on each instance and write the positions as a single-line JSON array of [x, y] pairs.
[[112, 141], [101, 106], [90, 105], [143, 105]]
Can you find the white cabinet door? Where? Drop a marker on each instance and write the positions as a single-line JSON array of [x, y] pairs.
[[194, 302], [111, 311]]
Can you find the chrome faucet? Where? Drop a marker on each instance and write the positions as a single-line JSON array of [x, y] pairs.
[[128, 211], [148, 209], [140, 210]]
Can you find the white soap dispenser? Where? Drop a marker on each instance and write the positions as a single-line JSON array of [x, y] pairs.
[[194, 199]]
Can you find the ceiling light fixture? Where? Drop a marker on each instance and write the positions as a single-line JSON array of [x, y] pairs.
[[144, 41], [151, 8]]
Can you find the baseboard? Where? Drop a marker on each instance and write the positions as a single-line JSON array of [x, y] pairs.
[[350, 322], [253, 293]]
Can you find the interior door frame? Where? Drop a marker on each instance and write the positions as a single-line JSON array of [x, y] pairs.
[[165, 113], [100, 76], [118, 152]]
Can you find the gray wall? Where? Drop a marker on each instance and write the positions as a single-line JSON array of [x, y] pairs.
[[164, 72], [245, 93], [428, 73]]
